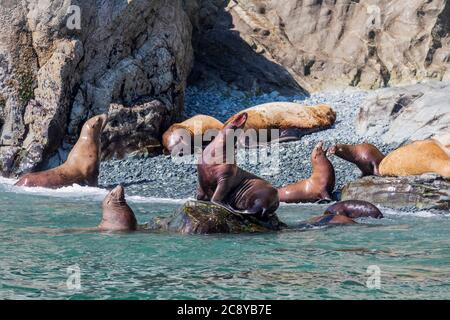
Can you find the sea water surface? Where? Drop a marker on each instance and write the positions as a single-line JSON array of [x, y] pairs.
[[410, 250]]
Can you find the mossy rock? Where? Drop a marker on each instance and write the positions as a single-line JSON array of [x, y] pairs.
[[199, 217]]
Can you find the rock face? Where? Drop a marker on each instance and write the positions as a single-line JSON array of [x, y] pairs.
[[423, 192], [405, 114], [292, 44], [133, 130], [198, 217], [64, 61]]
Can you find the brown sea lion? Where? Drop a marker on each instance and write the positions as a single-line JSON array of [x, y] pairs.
[[117, 215], [354, 209], [82, 164], [325, 221], [317, 187], [293, 120], [419, 157], [198, 125], [225, 184], [366, 156]]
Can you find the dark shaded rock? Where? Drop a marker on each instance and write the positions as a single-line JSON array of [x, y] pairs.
[[199, 217], [423, 192], [134, 129]]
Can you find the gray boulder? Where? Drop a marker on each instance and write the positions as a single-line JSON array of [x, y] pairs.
[[64, 61], [404, 114], [423, 192]]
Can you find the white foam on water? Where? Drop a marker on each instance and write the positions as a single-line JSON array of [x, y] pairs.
[[142, 199], [420, 214], [78, 192]]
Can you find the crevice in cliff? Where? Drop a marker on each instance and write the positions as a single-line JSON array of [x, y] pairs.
[[440, 30]]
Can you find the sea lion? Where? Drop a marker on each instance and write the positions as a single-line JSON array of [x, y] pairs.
[[354, 209], [419, 157], [366, 156], [225, 184], [294, 120], [82, 164], [317, 187], [117, 215], [325, 221], [178, 133]]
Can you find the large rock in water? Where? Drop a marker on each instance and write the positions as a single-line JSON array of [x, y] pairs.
[[199, 217], [62, 61], [405, 114], [406, 193], [284, 45]]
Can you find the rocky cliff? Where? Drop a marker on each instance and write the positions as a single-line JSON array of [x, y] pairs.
[[66, 60], [320, 44]]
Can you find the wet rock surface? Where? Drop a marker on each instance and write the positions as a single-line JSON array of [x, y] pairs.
[[199, 217], [424, 192]]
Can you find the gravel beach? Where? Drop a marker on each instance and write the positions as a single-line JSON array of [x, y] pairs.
[[161, 176]]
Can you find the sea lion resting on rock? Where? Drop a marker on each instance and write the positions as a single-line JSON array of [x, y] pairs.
[[342, 213], [81, 166], [179, 137], [293, 119], [366, 156], [419, 157], [317, 187], [225, 184]]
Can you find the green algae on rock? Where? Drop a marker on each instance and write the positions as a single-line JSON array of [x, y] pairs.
[[200, 217]]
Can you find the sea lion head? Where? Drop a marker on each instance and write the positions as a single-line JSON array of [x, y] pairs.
[[238, 122], [94, 126], [318, 151], [336, 149], [179, 138], [117, 215]]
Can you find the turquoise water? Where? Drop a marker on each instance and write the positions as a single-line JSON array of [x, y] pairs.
[[412, 252]]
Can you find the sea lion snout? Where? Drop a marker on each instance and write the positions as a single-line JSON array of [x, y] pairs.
[[118, 194], [332, 150]]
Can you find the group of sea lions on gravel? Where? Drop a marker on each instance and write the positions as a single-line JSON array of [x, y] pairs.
[[226, 185]]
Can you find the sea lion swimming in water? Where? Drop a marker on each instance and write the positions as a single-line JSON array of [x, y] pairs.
[[317, 187], [116, 216], [355, 209], [342, 213], [227, 185], [180, 136], [366, 156], [293, 120], [419, 157], [81, 166]]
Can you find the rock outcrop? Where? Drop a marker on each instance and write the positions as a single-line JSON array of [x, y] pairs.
[[291, 44], [405, 114], [66, 60], [423, 192], [199, 217]]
